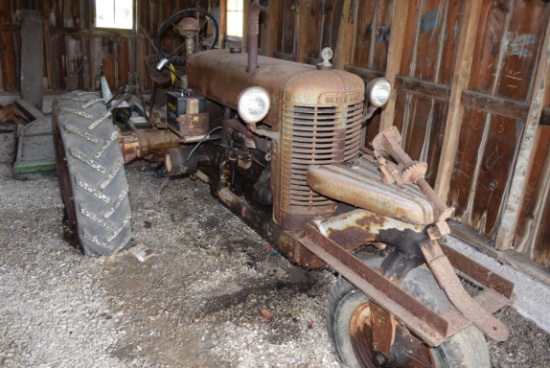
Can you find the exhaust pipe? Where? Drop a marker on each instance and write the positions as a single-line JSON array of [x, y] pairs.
[[253, 31]]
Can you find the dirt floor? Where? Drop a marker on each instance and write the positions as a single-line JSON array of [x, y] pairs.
[[213, 295]]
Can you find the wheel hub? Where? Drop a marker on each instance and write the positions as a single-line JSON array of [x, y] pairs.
[[379, 340]]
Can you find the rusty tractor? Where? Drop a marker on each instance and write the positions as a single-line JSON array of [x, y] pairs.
[[280, 144]]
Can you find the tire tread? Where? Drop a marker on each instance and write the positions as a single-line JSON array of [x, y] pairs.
[[95, 164]]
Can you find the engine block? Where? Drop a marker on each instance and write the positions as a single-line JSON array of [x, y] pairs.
[[315, 118]]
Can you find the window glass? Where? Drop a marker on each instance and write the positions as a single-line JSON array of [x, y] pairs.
[[235, 18], [114, 14]]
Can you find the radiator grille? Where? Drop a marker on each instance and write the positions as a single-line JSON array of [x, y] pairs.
[[315, 135]]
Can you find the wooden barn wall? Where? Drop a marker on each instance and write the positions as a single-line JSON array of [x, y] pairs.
[[465, 75], [303, 29], [503, 73], [74, 49], [471, 81]]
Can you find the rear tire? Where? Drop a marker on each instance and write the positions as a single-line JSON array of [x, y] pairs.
[[91, 175], [467, 349]]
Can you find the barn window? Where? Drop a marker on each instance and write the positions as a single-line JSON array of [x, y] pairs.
[[235, 18], [114, 14]]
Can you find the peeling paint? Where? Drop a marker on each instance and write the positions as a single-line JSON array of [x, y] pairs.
[[430, 20], [518, 44]]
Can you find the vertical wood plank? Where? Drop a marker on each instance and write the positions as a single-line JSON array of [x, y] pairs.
[[140, 42], [273, 19], [223, 24], [461, 78], [5, 12], [493, 172], [541, 249], [464, 171], [395, 53], [487, 63], [346, 34], [7, 53], [524, 161], [32, 56], [8, 72], [124, 60], [366, 33], [449, 41], [535, 211], [522, 41], [302, 37], [288, 26], [91, 54], [47, 44], [381, 41], [430, 29]]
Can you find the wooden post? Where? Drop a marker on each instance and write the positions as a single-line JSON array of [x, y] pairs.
[[47, 44], [91, 56], [32, 56], [524, 162], [461, 79], [302, 36], [246, 6], [272, 30], [395, 53], [223, 24], [346, 33], [140, 46]]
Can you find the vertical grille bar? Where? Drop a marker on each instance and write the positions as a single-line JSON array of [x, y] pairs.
[[315, 135]]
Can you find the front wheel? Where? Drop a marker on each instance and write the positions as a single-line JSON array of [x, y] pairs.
[[91, 175], [352, 329]]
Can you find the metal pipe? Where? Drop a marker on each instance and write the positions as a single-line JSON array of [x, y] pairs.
[[253, 31]]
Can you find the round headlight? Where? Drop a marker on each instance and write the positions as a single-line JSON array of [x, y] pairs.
[[253, 104], [378, 91]]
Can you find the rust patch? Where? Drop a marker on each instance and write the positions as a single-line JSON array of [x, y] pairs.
[[351, 237], [372, 219]]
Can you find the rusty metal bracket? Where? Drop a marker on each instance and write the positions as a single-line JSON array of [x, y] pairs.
[[431, 327], [448, 280], [387, 142]]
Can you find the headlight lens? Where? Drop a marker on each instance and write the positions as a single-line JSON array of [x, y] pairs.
[[378, 91], [253, 104]]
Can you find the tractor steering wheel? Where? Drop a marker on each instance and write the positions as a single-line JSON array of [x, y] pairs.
[[209, 17]]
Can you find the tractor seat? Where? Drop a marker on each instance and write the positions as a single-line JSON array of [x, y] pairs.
[[361, 185]]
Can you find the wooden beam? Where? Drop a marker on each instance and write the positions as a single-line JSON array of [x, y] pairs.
[[10, 27], [524, 162], [495, 105], [429, 90], [29, 110], [366, 74], [284, 56], [395, 54], [346, 34], [461, 79]]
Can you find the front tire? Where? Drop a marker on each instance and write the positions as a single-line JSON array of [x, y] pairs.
[[91, 175], [348, 305]]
